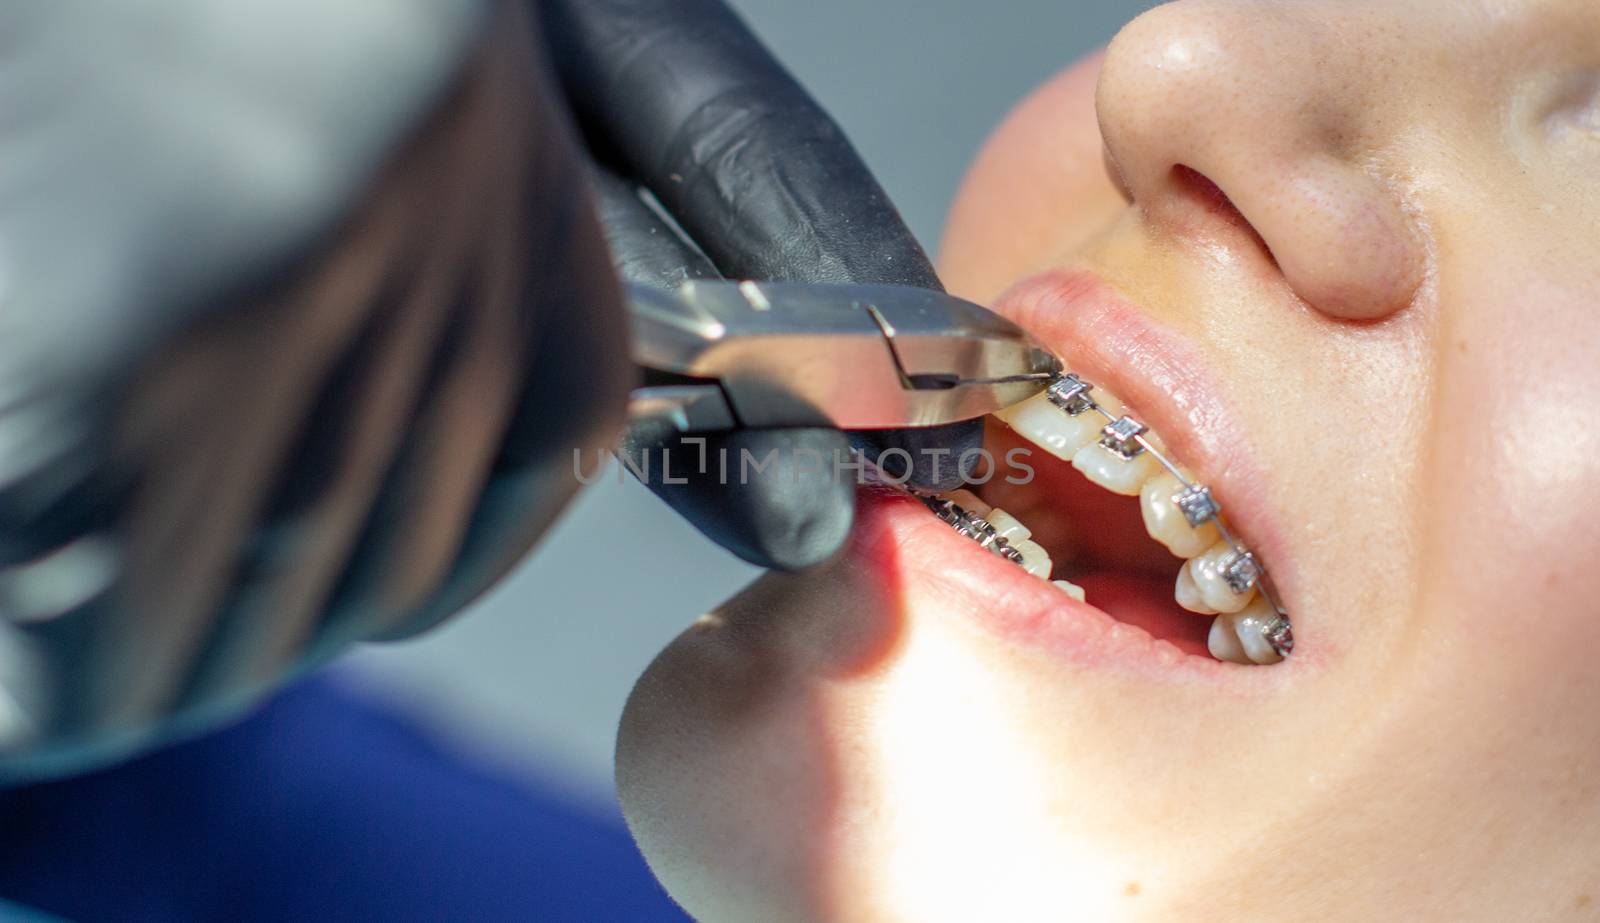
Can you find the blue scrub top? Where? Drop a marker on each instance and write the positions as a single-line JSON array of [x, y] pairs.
[[323, 805]]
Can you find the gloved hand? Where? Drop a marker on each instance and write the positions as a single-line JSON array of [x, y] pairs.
[[679, 99], [303, 310]]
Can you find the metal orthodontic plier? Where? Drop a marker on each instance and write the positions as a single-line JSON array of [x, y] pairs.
[[720, 355]]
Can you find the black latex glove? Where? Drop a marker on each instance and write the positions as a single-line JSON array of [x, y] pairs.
[[678, 98]]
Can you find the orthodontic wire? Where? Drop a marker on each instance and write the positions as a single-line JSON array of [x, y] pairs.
[[1279, 633], [1234, 544]]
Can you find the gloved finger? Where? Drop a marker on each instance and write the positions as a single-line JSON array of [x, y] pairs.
[[774, 498], [644, 247], [935, 458], [689, 103], [770, 517]]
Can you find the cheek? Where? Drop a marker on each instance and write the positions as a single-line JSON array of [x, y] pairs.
[[1037, 190], [1510, 596], [1516, 498]]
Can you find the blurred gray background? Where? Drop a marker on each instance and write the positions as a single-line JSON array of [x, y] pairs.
[[536, 674]]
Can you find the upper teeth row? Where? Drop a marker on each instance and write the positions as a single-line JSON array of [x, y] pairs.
[[1116, 451]]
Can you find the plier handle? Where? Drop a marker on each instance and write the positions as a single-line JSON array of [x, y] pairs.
[[720, 355]]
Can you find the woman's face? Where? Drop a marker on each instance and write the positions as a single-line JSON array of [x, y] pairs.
[[1348, 270]]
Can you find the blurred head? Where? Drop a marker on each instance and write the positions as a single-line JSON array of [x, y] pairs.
[[286, 276], [1346, 250]]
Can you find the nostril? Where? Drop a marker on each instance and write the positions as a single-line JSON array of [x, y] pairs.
[[1198, 189]]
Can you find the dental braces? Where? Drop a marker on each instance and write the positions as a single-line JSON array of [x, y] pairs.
[[1124, 437], [971, 525]]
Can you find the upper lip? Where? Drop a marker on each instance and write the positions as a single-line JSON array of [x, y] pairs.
[[1166, 384]]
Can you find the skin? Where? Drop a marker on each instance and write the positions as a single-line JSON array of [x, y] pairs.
[[1398, 300]]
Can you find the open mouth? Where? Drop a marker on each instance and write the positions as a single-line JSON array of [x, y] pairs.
[[1103, 508]]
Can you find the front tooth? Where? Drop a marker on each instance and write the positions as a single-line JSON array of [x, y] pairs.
[[1165, 522], [968, 501], [1250, 625], [1069, 588], [1206, 573], [1116, 474], [1188, 594], [1223, 641], [1051, 428], [1035, 560], [1008, 526], [1110, 406]]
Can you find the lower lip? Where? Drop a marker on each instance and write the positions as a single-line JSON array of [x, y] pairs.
[[905, 546]]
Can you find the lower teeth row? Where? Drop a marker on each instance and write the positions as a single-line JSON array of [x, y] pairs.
[[1258, 633], [973, 526]]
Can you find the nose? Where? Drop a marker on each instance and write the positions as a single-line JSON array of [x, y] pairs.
[[1286, 122]]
